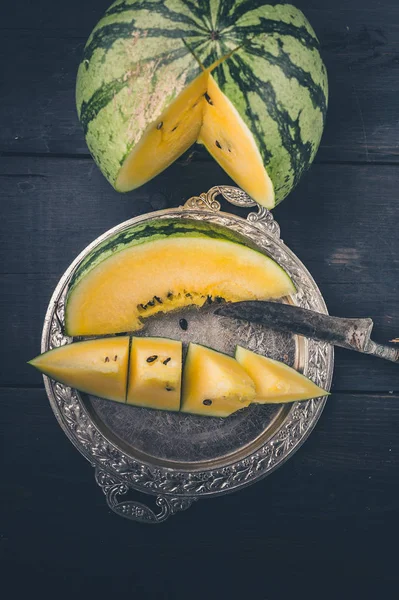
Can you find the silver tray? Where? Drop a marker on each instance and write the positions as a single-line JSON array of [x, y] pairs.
[[182, 458]]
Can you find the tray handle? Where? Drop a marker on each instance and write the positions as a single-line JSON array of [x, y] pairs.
[[134, 510], [263, 218]]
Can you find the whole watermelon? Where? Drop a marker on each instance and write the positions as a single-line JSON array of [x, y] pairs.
[[143, 53]]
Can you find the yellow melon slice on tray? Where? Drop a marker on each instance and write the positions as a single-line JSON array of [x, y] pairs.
[[214, 384], [275, 381], [164, 265], [147, 372], [97, 367], [155, 373]]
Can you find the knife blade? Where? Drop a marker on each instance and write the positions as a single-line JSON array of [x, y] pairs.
[[353, 334]]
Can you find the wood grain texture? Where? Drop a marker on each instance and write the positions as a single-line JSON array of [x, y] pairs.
[[341, 222], [337, 498], [25, 301], [326, 523], [41, 50]]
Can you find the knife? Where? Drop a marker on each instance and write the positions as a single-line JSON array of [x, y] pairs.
[[353, 334]]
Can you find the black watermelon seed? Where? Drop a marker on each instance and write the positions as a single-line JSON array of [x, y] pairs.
[[175, 127], [106, 359], [169, 389], [115, 357], [169, 295], [183, 324], [158, 299], [160, 124], [208, 98], [218, 144], [207, 402], [151, 359], [165, 362]]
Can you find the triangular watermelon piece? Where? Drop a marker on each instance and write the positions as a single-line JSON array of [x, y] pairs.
[[275, 381], [98, 367], [214, 384]]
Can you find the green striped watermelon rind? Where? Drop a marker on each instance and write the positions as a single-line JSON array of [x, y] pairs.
[[150, 231], [141, 50]]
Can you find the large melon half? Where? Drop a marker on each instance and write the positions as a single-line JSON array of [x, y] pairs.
[[162, 266], [243, 78]]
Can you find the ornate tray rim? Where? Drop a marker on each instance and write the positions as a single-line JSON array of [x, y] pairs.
[[117, 472]]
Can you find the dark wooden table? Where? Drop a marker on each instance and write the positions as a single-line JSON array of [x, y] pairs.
[[331, 514]]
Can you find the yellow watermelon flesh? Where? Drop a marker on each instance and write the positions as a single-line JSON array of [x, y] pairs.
[[214, 384], [275, 381], [200, 113], [98, 367], [155, 373]]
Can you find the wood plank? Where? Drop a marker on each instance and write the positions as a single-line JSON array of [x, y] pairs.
[[344, 231], [329, 517], [336, 500], [78, 18], [25, 299], [341, 220], [360, 47]]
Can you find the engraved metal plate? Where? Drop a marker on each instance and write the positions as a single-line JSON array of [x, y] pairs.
[[181, 458]]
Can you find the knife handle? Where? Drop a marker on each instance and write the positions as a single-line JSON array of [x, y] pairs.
[[353, 334], [382, 351]]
